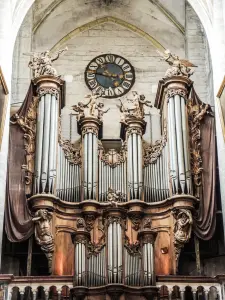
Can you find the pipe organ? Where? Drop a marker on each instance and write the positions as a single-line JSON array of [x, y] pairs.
[[115, 217]]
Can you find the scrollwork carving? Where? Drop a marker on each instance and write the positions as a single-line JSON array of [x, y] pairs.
[[43, 233], [72, 151], [182, 229], [42, 91], [115, 219], [112, 157], [176, 91], [152, 152], [196, 114], [134, 130], [90, 129], [90, 221], [134, 248], [28, 126], [135, 220]]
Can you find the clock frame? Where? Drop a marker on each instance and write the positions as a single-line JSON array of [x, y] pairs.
[[110, 75]]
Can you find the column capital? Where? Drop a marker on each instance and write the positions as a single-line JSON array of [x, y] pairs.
[[47, 84]]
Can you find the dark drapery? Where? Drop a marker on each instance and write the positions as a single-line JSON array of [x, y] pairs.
[[18, 221], [205, 219]]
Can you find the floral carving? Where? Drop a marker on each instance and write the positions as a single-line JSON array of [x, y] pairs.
[[43, 233], [72, 151], [42, 91], [196, 114], [132, 248], [152, 152], [176, 91], [28, 125]]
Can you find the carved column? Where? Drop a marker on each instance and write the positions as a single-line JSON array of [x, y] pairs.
[[80, 239], [178, 88], [48, 90], [89, 128], [133, 130], [147, 238]]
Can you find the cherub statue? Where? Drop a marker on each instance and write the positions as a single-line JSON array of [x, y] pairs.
[[138, 102], [179, 67], [101, 112], [124, 112], [80, 109], [92, 104], [41, 63], [114, 197]]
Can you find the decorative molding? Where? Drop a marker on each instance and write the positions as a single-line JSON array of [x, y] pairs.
[[176, 91], [153, 152], [134, 130], [90, 129], [42, 91], [28, 125], [196, 114], [43, 234]]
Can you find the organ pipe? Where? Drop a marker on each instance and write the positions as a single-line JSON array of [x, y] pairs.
[[178, 143], [48, 89]]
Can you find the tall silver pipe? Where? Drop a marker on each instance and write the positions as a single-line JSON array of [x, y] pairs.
[[110, 253], [130, 173], [180, 149], [85, 174], [173, 154], [140, 176], [135, 166], [44, 165], [39, 141], [95, 164]]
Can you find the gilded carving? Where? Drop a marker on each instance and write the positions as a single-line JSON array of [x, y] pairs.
[[179, 67], [43, 233], [41, 63], [72, 151], [42, 91], [132, 248], [176, 91], [135, 109], [90, 221], [152, 152], [196, 114], [182, 229], [112, 157], [114, 197], [28, 125], [91, 109]]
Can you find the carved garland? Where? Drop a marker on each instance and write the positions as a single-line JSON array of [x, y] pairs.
[[152, 152], [176, 91], [133, 249], [28, 125], [42, 91], [196, 114], [72, 151]]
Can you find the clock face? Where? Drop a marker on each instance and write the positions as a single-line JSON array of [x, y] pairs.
[[110, 75]]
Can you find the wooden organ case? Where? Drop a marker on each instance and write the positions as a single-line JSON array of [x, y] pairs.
[[114, 220]]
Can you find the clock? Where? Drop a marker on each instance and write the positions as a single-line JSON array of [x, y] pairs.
[[110, 75]]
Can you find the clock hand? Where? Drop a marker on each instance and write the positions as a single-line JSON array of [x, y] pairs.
[[106, 74]]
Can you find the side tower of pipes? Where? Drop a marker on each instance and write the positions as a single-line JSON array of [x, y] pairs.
[[48, 91]]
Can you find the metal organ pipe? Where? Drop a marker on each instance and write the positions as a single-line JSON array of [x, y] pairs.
[[46, 134], [178, 145]]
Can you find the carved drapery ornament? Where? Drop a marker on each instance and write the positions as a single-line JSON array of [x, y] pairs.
[[179, 67], [182, 230], [41, 63], [72, 151], [43, 233], [196, 114], [28, 125], [152, 152], [114, 219]]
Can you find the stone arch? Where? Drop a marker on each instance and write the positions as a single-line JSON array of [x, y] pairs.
[[103, 20]]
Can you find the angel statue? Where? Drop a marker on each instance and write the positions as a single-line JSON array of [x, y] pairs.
[[124, 112], [79, 108], [101, 112], [92, 104], [138, 103], [41, 63], [179, 67], [114, 197]]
